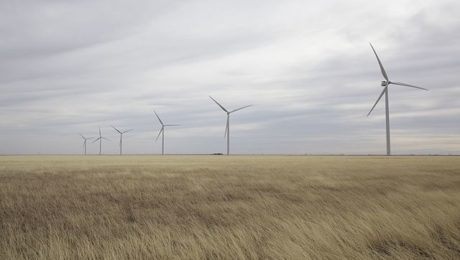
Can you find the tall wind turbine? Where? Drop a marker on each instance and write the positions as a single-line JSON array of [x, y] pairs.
[[386, 83], [121, 137], [100, 141], [162, 133], [227, 127], [84, 142]]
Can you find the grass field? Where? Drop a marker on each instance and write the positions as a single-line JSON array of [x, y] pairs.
[[238, 207]]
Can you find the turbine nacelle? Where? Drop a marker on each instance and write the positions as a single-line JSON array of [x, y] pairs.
[[385, 83]]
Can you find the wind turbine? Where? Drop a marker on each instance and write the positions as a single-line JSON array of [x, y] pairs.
[[100, 141], [121, 137], [162, 133], [386, 83], [227, 127], [84, 142]]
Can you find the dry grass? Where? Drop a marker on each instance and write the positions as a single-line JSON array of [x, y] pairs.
[[242, 207]]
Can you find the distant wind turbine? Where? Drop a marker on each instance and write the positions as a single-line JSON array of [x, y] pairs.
[[386, 83], [100, 141], [121, 137], [162, 133], [227, 127], [84, 142]]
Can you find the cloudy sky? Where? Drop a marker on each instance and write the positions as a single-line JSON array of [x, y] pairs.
[[69, 67]]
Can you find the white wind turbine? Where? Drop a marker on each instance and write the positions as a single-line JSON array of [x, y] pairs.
[[100, 141], [227, 127], [121, 137], [85, 139], [162, 133], [386, 83]]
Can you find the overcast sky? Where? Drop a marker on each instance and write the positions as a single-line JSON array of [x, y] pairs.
[[69, 67]]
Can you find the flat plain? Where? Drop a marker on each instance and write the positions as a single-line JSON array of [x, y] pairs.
[[236, 207]]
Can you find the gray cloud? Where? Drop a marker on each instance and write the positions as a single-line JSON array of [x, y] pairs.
[[70, 67]]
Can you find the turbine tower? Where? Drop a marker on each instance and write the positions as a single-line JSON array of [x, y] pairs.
[[162, 133], [386, 83], [100, 141], [121, 137], [227, 127], [84, 142]]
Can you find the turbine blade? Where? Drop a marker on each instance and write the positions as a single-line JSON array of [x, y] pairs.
[[127, 131], [172, 125], [161, 122], [234, 110], [105, 138], [100, 132], [384, 73], [96, 140], [116, 129], [408, 85], [223, 108], [378, 99], [159, 133]]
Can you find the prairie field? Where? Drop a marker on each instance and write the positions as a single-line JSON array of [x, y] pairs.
[[236, 207]]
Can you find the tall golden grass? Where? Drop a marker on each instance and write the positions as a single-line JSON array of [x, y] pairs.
[[238, 207]]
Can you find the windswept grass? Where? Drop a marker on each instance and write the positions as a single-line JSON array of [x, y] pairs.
[[241, 207]]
